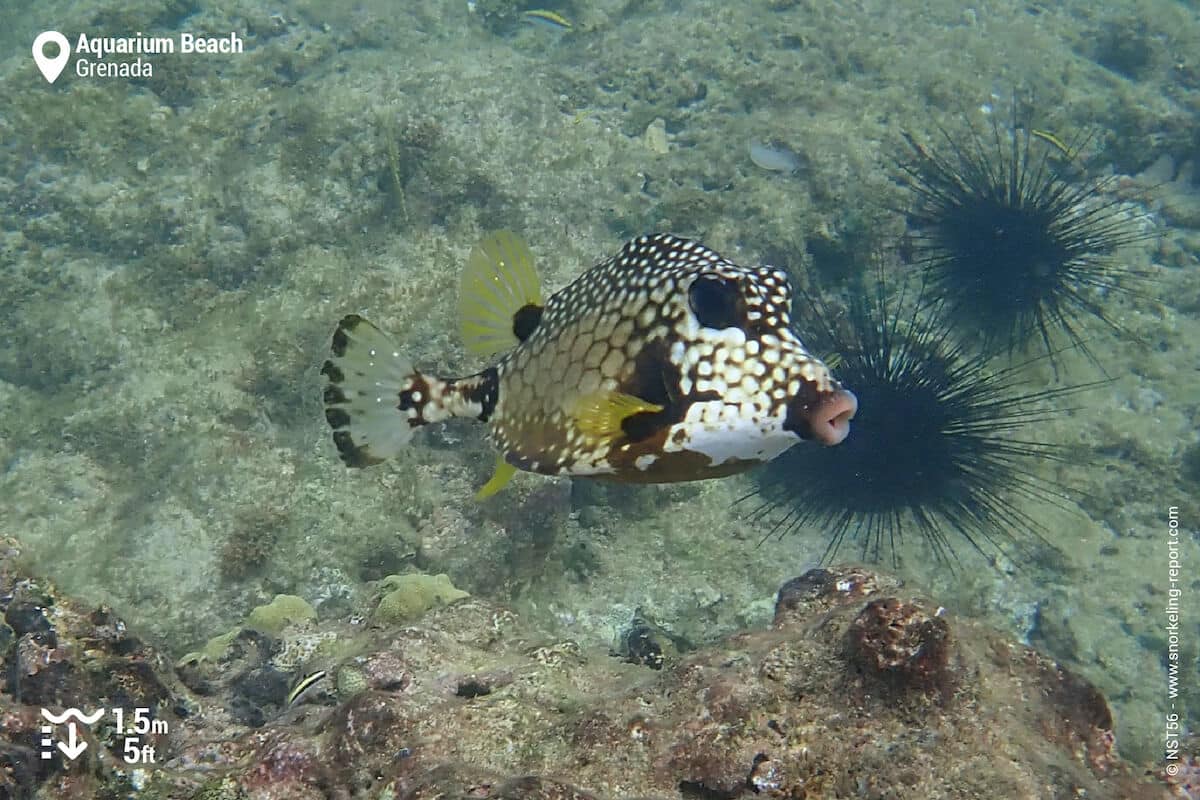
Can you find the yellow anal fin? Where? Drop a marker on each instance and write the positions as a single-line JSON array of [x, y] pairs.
[[499, 283], [500, 478], [599, 416]]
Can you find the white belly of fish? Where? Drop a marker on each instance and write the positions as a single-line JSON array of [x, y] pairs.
[[729, 432]]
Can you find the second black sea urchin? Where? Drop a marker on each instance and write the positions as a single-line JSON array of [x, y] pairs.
[[943, 446], [1018, 246]]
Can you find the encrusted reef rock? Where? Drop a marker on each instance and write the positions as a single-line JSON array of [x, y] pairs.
[[859, 688], [406, 597], [56, 653]]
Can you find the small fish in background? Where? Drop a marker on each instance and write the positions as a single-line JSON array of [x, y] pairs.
[[774, 157], [1068, 163], [664, 363], [550, 20], [1052, 139], [306, 688]]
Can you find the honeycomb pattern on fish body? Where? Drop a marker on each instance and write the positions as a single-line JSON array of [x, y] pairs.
[[628, 321]]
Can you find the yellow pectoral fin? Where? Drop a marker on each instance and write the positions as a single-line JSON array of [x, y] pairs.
[[498, 282], [599, 416], [500, 478]]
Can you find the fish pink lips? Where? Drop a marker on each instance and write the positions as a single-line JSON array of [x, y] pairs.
[[825, 419]]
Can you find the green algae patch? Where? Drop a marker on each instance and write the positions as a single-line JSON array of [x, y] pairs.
[[349, 681], [213, 648], [407, 597], [271, 619], [219, 789], [275, 616]]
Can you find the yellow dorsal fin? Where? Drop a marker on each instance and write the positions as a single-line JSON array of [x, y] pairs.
[[599, 415], [499, 280], [500, 478]]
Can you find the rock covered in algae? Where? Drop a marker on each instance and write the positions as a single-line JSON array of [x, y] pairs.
[[859, 688], [271, 620], [284, 610], [57, 653], [249, 670], [407, 597]]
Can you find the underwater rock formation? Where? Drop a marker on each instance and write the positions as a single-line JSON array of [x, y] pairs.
[[859, 688]]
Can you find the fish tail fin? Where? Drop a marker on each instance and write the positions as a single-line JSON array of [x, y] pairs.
[[369, 393]]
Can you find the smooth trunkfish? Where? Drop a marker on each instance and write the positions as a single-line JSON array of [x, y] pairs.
[[664, 363]]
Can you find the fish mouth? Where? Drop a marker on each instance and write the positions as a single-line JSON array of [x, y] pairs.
[[823, 417]]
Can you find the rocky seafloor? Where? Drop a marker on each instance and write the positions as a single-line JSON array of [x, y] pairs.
[[860, 687]]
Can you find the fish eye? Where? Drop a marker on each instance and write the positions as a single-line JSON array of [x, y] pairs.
[[714, 301]]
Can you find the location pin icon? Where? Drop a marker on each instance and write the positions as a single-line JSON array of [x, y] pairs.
[[51, 67]]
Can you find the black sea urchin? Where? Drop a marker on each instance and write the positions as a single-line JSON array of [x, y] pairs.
[[1017, 249], [941, 444]]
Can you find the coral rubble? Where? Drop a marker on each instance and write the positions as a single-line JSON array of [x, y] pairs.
[[858, 688]]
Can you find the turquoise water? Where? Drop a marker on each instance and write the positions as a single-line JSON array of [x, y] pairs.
[[176, 248]]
